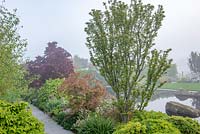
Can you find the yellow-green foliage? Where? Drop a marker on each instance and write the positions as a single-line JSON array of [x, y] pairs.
[[152, 122], [149, 126], [131, 128], [159, 126], [185, 125], [143, 115], [157, 119], [17, 119]]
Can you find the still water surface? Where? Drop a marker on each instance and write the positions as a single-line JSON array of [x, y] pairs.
[[161, 97]]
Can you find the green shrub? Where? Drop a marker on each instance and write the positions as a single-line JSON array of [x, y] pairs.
[[12, 95], [108, 109], [55, 105], [31, 96], [72, 120], [47, 97], [49, 100], [159, 126], [95, 124], [66, 120], [17, 119], [185, 125], [48, 92], [143, 115], [148, 126], [131, 128]]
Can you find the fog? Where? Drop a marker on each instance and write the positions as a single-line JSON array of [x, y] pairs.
[[64, 21]]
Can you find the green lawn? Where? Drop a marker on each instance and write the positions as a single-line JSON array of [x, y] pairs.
[[182, 86]]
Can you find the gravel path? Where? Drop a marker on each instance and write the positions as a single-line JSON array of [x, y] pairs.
[[51, 127]]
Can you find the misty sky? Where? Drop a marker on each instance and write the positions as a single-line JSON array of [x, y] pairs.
[[64, 21]]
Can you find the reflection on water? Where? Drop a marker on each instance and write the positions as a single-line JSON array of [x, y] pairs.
[[161, 97]]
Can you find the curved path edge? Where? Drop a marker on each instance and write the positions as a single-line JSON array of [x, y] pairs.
[[51, 127]]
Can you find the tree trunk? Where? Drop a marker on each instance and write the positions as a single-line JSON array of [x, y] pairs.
[[124, 113], [124, 117]]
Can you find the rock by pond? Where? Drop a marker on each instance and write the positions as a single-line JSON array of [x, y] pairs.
[[176, 108], [183, 95]]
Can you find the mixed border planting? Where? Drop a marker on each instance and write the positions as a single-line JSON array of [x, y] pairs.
[[121, 45]]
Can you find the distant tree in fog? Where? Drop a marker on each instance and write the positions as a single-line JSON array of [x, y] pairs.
[[55, 63], [194, 64], [79, 62], [172, 73]]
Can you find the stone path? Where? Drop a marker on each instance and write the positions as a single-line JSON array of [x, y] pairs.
[[51, 127]]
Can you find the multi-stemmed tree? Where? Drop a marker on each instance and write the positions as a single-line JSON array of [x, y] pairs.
[[121, 45]]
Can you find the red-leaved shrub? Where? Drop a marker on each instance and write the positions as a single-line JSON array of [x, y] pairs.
[[84, 92]]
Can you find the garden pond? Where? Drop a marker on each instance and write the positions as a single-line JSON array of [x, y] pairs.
[[161, 97]]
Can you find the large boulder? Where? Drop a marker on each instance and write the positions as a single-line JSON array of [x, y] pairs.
[[183, 95], [175, 108]]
